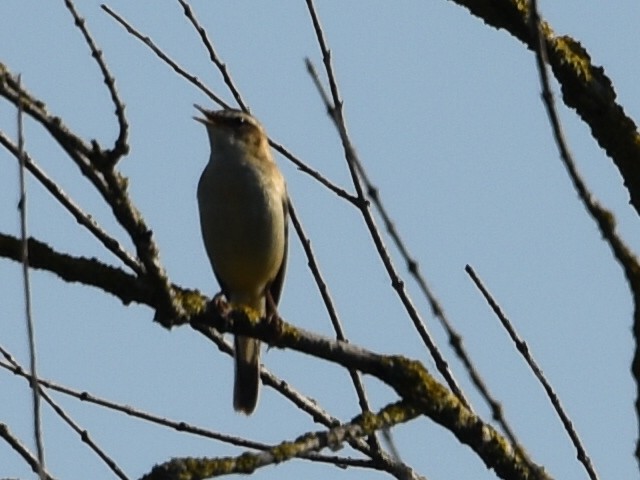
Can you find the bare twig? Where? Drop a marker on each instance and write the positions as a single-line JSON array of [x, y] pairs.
[[363, 205], [409, 379], [335, 321], [180, 426], [22, 208], [35, 383], [84, 219], [523, 349], [304, 168], [603, 217], [23, 451], [213, 55], [165, 58], [191, 468], [121, 147], [195, 81], [455, 339], [77, 149]]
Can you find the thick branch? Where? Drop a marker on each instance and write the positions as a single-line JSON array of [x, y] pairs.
[[585, 87], [409, 378], [88, 271], [363, 425]]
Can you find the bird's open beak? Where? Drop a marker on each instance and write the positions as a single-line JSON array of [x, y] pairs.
[[207, 120]]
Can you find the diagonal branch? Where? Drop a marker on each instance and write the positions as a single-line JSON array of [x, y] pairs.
[[195, 81], [23, 451], [84, 219], [603, 218], [523, 349], [95, 164], [121, 147], [76, 148], [213, 56], [165, 58], [362, 204], [363, 425], [408, 378], [35, 384]]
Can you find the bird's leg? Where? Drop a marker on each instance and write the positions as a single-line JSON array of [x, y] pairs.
[[272, 317], [221, 304]]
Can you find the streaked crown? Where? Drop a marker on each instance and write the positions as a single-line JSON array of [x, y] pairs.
[[233, 127], [229, 119]]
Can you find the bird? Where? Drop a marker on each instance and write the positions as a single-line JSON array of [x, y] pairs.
[[243, 206]]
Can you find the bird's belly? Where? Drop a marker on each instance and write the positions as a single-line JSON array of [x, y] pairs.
[[249, 235]]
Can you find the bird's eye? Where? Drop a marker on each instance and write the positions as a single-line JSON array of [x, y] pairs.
[[237, 121]]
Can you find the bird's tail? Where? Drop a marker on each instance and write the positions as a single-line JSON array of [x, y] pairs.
[[247, 381]]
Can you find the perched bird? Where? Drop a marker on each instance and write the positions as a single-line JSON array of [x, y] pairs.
[[242, 200]]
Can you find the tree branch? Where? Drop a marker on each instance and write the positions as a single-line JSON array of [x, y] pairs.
[[585, 87]]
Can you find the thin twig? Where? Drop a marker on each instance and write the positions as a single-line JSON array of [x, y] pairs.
[[36, 383], [23, 451], [363, 205], [301, 401], [603, 217], [74, 209], [77, 149], [248, 462], [409, 379], [180, 426], [523, 349], [168, 308], [335, 321], [455, 339], [22, 208], [94, 164], [165, 58], [121, 147], [213, 55], [304, 168], [195, 81]]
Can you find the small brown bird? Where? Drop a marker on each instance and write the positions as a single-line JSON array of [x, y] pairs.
[[242, 200]]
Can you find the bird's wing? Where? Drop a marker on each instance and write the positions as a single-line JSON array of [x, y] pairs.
[[275, 289]]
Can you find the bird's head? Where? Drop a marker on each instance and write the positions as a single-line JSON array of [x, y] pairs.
[[232, 129]]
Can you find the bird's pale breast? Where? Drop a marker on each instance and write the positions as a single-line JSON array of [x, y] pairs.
[[244, 229]]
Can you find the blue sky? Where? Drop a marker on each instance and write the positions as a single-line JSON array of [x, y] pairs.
[[446, 116]]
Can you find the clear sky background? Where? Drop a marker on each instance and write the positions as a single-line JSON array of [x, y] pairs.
[[445, 113]]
